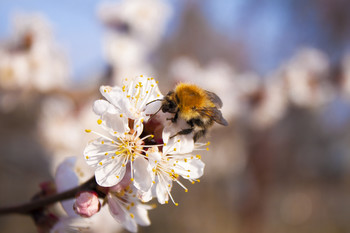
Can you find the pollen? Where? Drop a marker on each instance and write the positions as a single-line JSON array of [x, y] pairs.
[[100, 163], [153, 182], [117, 177], [131, 215], [166, 202], [102, 142], [176, 204], [121, 115], [99, 121], [178, 140], [186, 190], [106, 153], [198, 156], [207, 148], [164, 144], [141, 75], [132, 179], [174, 149], [123, 164], [198, 180], [87, 157], [132, 203], [112, 157], [88, 130], [185, 160]]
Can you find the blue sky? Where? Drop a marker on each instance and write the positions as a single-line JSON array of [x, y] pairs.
[[268, 29]]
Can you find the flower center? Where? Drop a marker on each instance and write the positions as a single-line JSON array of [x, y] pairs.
[[129, 147]]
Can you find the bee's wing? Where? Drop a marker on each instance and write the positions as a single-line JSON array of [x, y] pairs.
[[214, 98], [214, 114]]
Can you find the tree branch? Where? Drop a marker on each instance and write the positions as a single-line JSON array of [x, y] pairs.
[[27, 208]]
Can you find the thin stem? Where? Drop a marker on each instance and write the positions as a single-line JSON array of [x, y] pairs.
[[27, 208]]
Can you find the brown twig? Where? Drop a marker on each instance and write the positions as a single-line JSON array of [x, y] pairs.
[[27, 208]]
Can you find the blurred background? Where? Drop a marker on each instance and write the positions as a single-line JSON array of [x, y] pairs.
[[282, 69]]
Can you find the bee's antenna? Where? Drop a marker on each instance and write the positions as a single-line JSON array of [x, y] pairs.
[[155, 113], [154, 101]]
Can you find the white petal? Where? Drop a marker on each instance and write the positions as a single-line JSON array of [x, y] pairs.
[[162, 185], [120, 214], [101, 106], [66, 179], [94, 152], [141, 215], [147, 196], [153, 107], [192, 169], [111, 172], [153, 157], [116, 97], [183, 143], [115, 124], [138, 126], [142, 171]]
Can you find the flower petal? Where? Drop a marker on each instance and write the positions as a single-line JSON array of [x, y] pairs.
[[142, 171], [66, 179], [110, 172], [191, 169], [162, 188], [141, 215], [120, 214], [95, 151], [116, 97]]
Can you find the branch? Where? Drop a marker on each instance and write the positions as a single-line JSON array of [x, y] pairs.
[[27, 208]]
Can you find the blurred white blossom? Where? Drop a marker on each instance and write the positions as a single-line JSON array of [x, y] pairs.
[[305, 76], [31, 59]]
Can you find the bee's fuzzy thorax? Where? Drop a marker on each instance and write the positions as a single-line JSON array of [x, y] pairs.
[[191, 97]]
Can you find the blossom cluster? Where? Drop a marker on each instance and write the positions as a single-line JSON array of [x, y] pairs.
[[137, 157]]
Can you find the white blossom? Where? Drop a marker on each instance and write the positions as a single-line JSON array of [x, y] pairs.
[[127, 209], [122, 116]]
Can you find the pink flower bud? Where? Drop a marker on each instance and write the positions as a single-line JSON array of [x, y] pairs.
[[86, 204]]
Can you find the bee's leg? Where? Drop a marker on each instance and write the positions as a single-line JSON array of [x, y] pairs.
[[199, 134], [174, 119], [183, 132]]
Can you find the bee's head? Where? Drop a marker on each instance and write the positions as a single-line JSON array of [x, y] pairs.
[[169, 103]]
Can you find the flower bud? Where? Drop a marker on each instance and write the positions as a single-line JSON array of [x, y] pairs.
[[86, 204]]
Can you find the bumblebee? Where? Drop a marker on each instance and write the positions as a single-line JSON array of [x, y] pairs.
[[198, 107]]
